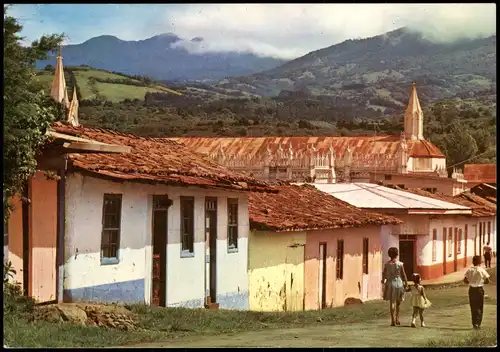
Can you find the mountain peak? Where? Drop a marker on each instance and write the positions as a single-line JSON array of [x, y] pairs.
[[197, 39]]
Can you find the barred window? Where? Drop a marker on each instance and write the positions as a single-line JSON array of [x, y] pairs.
[[232, 224], [187, 224], [111, 225]]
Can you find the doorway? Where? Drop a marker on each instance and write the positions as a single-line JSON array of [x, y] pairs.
[[322, 276], [211, 250], [160, 228], [455, 250], [407, 256]]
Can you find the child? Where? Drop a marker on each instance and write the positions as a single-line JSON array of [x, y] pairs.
[[419, 301]]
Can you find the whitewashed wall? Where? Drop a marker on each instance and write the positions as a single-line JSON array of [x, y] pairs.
[[130, 279], [388, 240]]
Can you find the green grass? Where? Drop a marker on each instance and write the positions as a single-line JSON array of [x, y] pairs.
[[171, 324], [112, 92], [481, 338]]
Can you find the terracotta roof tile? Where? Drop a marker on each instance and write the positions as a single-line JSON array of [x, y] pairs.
[[296, 208], [154, 160], [254, 146], [484, 173], [480, 206]]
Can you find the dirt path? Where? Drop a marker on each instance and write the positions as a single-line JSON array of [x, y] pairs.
[[440, 323]]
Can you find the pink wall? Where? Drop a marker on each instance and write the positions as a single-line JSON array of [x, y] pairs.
[[353, 279], [43, 237]]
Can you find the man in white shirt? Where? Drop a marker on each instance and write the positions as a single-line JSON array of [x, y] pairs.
[[476, 277]]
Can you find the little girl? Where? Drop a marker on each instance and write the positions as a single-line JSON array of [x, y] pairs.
[[419, 301]]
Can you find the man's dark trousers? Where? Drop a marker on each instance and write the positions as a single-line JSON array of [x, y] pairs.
[[476, 301]]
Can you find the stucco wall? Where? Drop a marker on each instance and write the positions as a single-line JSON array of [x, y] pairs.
[[130, 279], [354, 281], [271, 264], [443, 185]]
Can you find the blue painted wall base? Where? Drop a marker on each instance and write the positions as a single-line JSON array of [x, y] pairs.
[[117, 292], [233, 300]]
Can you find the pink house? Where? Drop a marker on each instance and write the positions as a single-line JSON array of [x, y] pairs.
[[309, 251]]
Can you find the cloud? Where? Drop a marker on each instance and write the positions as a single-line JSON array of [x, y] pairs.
[[292, 30]]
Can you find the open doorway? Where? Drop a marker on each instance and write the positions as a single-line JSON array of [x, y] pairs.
[[322, 276], [407, 255], [160, 228]]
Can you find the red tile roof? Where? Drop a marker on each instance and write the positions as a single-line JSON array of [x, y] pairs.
[[483, 173], [253, 146], [296, 208], [480, 206], [156, 160]]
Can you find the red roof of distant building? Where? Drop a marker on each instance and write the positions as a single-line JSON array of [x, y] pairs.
[[158, 160], [296, 208], [365, 145], [482, 173]]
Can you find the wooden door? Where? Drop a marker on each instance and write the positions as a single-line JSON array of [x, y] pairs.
[[211, 262], [466, 236], [445, 241], [160, 228], [455, 250], [407, 256], [322, 276]]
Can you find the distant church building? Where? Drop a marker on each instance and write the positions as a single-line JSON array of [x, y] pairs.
[[407, 160]]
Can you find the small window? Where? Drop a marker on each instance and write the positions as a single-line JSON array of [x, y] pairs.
[[187, 224], [365, 255], [340, 259], [232, 224], [387, 177], [459, 242], [111, 221], [434, 244], [401, 186], [450, 242]]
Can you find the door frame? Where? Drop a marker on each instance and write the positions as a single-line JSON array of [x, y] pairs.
[[413, 239], [163, 268], [322, 276], [455, 249], [211, 281]]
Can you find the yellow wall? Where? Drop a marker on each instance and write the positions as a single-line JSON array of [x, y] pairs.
[[276, 271]]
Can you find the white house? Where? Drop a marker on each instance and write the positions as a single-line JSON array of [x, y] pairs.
[[150, 223], [434, 238]]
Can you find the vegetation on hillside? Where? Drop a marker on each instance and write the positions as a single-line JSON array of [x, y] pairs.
[[27, 111]]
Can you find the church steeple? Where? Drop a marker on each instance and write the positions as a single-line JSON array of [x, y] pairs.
[[58, 91], [414, 117]]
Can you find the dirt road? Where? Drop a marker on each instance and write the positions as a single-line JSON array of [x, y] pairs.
[[441, 323]]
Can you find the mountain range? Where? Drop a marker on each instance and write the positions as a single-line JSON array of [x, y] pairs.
[[162, 57], [375, 72]]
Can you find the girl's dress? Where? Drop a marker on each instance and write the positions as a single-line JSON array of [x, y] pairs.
[[394, 288], [417, 299]]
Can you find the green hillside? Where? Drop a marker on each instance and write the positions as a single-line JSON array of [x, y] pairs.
[[99, 84]]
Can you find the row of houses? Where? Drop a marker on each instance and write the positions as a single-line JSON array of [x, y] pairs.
[[113, 217]]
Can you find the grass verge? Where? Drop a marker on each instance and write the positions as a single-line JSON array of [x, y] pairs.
[[481, 338], [163, 324]]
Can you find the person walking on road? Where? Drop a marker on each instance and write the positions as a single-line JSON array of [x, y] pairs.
[[476, 277], [487, 255], [394, 279]]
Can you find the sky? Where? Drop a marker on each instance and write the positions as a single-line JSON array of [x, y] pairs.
[[279, 30]]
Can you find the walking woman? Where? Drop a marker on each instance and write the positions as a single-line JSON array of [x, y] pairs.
[[394, 279]]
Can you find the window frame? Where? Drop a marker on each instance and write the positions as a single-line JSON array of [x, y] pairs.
[[184, 201], [434, 245], [339, 270], [116, 259], [366, 251], [232, 247]]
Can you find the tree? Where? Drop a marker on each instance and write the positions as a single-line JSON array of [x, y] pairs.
[[459, 144], [27, 111]]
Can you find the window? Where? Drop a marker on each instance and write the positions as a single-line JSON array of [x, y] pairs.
[[387, 177], [187, 224], [401, 186], [450, 241], [489, 231], [459, 242], [430, 190], [340, 259], [111, 221], [434, 243], [232, 224], [444, 244], [484, 232], [365, 255]]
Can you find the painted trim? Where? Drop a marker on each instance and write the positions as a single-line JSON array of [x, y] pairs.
[[232, 250], [111, 261], [116, 292], [187, 254]]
